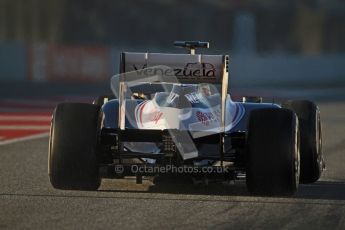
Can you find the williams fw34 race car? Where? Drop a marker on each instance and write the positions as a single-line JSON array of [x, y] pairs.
[[171, 116]]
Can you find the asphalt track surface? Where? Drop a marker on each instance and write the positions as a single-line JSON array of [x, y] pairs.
[[28, 201]]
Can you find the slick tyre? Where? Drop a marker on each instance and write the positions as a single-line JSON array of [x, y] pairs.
[[272, 167], [312, 162], [73, 159]]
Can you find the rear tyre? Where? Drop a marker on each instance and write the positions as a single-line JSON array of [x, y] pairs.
[[312, 162], [272, 152], [73, 144]]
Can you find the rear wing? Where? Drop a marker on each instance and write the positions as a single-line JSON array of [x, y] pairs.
[[186, 68]]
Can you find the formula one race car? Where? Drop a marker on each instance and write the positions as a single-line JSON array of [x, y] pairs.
[[171, 114]]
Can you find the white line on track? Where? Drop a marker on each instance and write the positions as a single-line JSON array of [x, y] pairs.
[[42, 102], [25, 110], [32, 137], [45, 102], [24, 118], [26, 127]]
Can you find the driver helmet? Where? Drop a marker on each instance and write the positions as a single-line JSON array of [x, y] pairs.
[[204, 89]]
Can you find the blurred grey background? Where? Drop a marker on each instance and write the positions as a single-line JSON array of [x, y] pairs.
[[272, 43]]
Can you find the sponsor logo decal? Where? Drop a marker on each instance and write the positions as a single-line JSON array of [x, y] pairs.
[[156, 116], [206, 117], [193, 69], [193, 98]]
